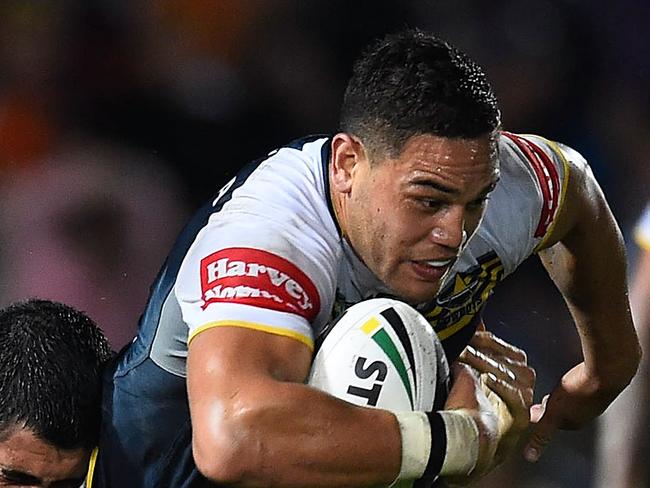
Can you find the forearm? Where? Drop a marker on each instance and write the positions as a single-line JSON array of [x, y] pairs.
[[586, 259], [593, 281], [609, 363], [255, 422], [610, 347], [297, 436]]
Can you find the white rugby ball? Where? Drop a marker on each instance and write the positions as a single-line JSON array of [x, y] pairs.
[[382, 353]]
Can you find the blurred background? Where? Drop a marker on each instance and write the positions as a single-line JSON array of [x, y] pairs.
[[118, 119]]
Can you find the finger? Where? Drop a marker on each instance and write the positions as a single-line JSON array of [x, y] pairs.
[[511, 397], [521, 376], [525, 384], [527, 393], [524, 373], [487, 340], [539, 438], [509, 369], [485, 364], [537, 411]]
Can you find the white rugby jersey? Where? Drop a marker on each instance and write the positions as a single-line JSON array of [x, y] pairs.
[[267, 254], [271, 257]]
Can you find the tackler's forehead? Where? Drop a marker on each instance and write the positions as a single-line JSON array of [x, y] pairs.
[[26, 459]]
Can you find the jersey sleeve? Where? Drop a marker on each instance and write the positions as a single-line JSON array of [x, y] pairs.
[[534, 174], [642, 230], [262, 263]]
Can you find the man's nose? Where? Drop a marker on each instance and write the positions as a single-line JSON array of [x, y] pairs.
[[449, 228]]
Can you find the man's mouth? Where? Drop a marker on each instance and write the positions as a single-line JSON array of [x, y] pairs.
[[432, 269], [438, 263]]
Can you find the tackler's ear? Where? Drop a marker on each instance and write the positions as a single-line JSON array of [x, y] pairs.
[[347, 152]]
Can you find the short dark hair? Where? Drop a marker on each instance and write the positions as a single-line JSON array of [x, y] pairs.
[[51, 359], [413, 83]]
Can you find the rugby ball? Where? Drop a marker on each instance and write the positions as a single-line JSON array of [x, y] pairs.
[[382, 353]]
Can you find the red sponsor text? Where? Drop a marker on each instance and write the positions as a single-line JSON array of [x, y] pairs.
[[258, 278]]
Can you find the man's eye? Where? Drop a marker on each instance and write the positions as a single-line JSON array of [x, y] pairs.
[[430, 204], [10, 479], [478, 203]]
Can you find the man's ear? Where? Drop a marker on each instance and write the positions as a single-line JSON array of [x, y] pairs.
[[347, 153]]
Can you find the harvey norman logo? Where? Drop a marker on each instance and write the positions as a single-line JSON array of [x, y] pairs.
[[258, 278]]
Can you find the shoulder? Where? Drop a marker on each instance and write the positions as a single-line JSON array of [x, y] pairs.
[[548, 161], [282, 196], [551, 162], [268, 254], [544, 170], [299, 162], [526, 201], [280, 206]]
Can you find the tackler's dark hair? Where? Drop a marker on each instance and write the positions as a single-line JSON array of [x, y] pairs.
[[51, 360]]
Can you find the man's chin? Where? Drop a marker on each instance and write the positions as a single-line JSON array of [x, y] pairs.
[[419, 295]]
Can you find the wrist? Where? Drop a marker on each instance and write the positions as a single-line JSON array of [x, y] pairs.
[[437, 443], [462, 447], [415, 431]]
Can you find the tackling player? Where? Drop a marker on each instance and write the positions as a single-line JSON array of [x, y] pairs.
[[394, 204], [50, 366]]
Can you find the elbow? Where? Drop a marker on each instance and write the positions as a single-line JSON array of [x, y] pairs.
[[217, 465], [613, 384], [222, 451], [216, 458]]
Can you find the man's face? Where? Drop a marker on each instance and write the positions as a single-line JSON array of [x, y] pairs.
[[408, 216], [26, 460]]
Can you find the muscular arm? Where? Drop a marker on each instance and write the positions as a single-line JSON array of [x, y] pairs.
[[586, 260], [256, 424]]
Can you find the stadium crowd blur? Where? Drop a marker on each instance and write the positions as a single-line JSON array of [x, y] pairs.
[[119, 118]]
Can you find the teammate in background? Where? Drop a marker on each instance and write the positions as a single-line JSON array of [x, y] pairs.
[[50, 388], [623, 442], [395, 204]]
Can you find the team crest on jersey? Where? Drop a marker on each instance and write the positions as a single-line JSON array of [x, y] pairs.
[[258, 278], [461, 299]]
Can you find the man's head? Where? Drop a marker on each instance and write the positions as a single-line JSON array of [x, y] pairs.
[[413, 83], [415, 161], [50, 388]]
